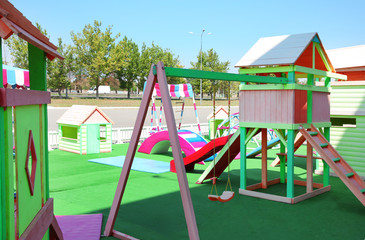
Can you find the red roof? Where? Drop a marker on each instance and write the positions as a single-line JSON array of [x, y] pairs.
[[13, 21]]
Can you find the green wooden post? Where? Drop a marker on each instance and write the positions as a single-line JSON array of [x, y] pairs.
[[243, 159], [2, 161], [326, 168], [38, 81], [282, 162], [290, 165], [310, 81]]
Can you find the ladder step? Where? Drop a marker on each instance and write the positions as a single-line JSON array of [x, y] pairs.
[[350, 174], [336, 159], [323, 145], [362, 190], [312, 133]]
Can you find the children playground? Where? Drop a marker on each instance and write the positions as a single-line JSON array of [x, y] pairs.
[[273, 170]]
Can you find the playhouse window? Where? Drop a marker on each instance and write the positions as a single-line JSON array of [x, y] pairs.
[[343, 122], [69, 132], [103, 133]]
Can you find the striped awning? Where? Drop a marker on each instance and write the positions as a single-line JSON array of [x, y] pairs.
[[176, 90], [16, 77]]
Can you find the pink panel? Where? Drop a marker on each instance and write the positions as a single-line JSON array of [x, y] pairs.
[[26, 78], [321, 107], [267, 106], [5, 77], [300, 106]]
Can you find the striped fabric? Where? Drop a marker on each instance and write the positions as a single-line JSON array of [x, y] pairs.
[[176, 90], [16, 77]]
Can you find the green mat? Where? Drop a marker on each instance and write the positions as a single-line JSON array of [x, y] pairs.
[[152, 209]]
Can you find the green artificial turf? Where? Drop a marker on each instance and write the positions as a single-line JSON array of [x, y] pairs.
[[152, 209]]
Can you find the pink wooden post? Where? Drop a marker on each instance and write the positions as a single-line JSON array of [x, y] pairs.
[[151, 80], [176, 152], [264, 158], [309, 168]]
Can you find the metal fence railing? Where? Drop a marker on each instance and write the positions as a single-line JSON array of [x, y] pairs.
[[123, 135]]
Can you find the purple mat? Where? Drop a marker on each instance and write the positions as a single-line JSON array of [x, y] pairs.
[[81, 227]]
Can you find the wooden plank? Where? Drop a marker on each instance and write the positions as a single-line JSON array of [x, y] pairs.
[[40, 224], [290, 165], [320, 72], [141, 116], [304, 183], [266, 69], [265, 196], [14, 97], [311, 194], [55, 231], [299, 155], [122, 236]]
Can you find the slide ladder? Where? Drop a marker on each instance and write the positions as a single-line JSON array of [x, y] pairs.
[[343, 170]]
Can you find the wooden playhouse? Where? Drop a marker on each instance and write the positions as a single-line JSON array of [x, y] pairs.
[[298, 108], [85, 130]]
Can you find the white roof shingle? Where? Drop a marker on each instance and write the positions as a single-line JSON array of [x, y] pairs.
[[278, 50]]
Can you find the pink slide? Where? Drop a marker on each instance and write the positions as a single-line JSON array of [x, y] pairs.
[[159, 142], [205, 152]]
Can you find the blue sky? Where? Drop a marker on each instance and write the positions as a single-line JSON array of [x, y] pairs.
[[235, 25]]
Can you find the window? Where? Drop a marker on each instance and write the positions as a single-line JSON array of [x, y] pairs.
[[343, 122], [69, 132], [103, 133]]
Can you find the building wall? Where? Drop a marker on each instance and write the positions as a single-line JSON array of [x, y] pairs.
[[347, 107], [83, 138]]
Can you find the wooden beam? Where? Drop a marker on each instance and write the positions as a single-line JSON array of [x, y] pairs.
[[309, 168], [40, 224], [320, 72], [14, 97], [282, 69], [192, 73]]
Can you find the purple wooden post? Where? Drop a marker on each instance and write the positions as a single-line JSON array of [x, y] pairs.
[[176, 152], [141, 116]]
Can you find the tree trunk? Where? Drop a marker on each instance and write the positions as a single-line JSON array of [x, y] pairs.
[[59, 93], [129, 93]]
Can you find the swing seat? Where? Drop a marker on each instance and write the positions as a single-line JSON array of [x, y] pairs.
[[226, 196], [213, 197]]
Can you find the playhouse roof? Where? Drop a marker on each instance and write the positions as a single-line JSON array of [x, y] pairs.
[[84, 114], [13, 21], [348, 57], [220, 113], [279, 50]]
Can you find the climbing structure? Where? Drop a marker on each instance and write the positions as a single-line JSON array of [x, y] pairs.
[[26, 211], [291, 108]]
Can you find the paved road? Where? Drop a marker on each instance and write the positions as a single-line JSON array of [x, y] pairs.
[[126, 116]]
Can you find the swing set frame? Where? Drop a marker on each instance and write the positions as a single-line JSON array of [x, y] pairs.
[[159, 73]]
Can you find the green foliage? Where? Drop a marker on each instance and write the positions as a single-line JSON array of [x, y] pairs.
[[57, 70], [209, 61], [155, 54], [128, 74], [97, 54]]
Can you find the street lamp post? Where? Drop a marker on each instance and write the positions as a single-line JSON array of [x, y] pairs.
[[201, 62], [201, 65]]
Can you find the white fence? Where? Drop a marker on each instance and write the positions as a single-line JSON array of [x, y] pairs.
[[123, 135]]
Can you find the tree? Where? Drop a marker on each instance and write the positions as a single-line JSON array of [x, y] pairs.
[[58, 69], [210, 62], [155, 54], [19, 49], [128, 74], [97, 53]]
